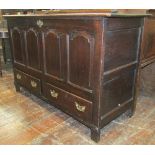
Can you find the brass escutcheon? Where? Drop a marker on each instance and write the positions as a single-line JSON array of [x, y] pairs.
[[79, 107], [18, 76], [40, 23], [33, 84], [54, 94]]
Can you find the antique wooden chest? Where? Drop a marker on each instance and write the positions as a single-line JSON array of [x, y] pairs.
[[86, 64]]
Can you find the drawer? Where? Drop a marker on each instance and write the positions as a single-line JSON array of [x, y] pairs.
[[74, 105], [27, 81], [20, 77]]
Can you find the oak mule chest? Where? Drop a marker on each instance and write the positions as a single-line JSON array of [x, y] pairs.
[[84, 64]]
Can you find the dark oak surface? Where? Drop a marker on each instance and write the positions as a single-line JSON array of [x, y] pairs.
[[87, 67], [148, 40], [80, 14], [147, 76]]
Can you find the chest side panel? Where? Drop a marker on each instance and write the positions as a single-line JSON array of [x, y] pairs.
[[148, 41], [120, 64]]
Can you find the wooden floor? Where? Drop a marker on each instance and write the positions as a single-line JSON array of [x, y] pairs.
[[25, 119]]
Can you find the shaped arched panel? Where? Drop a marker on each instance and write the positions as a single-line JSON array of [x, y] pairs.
[[33, 54], [80, 54], [53, 54], [18, 52]]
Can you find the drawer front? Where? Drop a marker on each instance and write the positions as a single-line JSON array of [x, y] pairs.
[[72, 104], [20, 77], [27, 81]]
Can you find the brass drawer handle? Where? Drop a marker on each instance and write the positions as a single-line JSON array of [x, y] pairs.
[[54, 94], [18, 76], [79, 107], [33, 84], [40, 23]]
